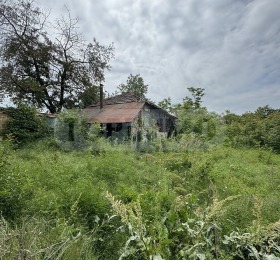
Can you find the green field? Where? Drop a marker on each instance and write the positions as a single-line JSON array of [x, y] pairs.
[[220, 203]]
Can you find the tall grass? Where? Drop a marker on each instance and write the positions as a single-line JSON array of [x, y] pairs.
[[54, 206]]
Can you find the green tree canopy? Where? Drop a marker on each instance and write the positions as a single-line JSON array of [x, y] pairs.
[[89, 96], [166, 104], [44, 64], [194, 102], [135, 85], [254, 129]]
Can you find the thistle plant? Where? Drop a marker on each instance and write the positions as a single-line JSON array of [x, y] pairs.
[[131, 215]]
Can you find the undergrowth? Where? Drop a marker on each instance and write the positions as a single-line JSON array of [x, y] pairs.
[[218, 203]]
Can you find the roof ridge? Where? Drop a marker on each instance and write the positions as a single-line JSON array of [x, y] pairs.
[[125, 97]]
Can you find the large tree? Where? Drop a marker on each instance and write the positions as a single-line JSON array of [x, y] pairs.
[[45, 64], [135, 85]]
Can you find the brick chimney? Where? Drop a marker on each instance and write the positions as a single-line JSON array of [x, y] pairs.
[[101, 96]]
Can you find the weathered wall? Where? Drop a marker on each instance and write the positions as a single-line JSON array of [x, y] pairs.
[[162, 119]]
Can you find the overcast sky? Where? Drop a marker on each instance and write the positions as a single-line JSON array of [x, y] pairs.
[[231, 48]]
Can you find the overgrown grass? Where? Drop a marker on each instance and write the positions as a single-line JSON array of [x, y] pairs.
[[62, 195]]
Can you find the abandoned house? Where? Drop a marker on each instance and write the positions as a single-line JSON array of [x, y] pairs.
[[122, 114]]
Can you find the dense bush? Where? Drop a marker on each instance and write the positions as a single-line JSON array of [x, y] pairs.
[[258, 129], [272, 133], [24, 125]]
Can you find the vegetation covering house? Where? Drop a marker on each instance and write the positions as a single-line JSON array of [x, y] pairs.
[[123, 114], [3, 118]]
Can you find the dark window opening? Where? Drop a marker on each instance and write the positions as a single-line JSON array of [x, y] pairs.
[[71, 137], [113, 127], [160, 125]]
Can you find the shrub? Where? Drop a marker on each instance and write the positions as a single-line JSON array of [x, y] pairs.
[[272, 136], [24, 125]]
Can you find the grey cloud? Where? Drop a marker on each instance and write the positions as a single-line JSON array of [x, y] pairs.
[[231, 47]]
